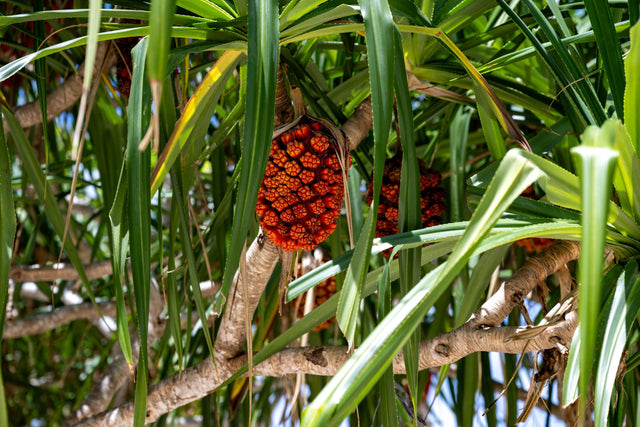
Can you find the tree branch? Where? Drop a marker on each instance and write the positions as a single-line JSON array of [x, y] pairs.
[[107, 384], [359, 124], [473, 336], [202, 379], [60, 271], [262, 257], [512, 292], [67, 94], [42, 322]]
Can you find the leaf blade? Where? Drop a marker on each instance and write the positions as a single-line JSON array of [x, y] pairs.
[[597, 162], [261, 89], [378, 23], [139, 209]]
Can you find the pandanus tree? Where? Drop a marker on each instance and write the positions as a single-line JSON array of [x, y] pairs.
[[386, 211]]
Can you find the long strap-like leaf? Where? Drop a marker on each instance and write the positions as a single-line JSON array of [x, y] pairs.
[[258, 128], [139, 174]]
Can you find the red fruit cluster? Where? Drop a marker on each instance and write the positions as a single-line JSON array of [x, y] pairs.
[[431, 196], [535, 244], [302, 189], [21, 36], [124, 66], [323, 292]]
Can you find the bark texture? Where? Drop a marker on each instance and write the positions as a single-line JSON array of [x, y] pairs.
[[475, 335], [512, 292], [262, 257], [67, 94], [119, 373], [39, 273], [203, 379], [359, 124], [47, 321]]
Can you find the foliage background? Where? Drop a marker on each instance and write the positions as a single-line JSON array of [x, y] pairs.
[[560, 78]]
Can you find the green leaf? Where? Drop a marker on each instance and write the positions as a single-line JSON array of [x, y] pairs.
[[160, 23], [298, 9], [479, 282], [599, 13], [585, 89], [617, 328], [355, 201], [171, 284], [490, 125], [409, 213], [468, 388], [258, 126], [7, 235], [626, 178], [193, 122], [341, 12], [446, 234], [119, 219], [214, 10], [92, 41], [570, 386], [41, 79], [386, 386], [596, 162], [580, 95], [7, 224], [632, 91], [409, 10], [562, 188], [185, 239], [36, 177], [139, 204], [50, 15], [378, 26], [354, 380], [459, 134], [497, 108], [13, 67]]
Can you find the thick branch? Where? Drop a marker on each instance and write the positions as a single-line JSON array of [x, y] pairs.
[[477, 334], [67, 94], [202, 379], [283, 109], [262, 257], [359, 124], [465, 340], [523, 281]]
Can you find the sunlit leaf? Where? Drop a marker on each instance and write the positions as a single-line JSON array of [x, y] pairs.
[[7, 235], [261, 88], [596, 161], [139, 213], [378, 26]]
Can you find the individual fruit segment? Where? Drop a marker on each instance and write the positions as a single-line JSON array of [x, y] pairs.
[[431, 197], [301, 193]]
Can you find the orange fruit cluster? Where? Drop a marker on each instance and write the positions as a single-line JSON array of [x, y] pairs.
[[323, 292], [124, 66], [535, 244], [431, 196], [302, 190]]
